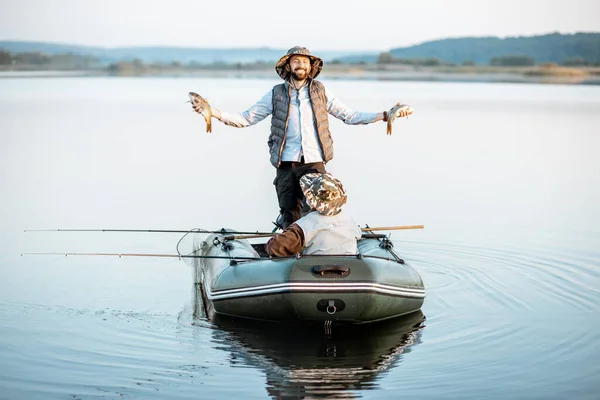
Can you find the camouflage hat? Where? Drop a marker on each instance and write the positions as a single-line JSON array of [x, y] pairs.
[[323, 193], [315, 62]]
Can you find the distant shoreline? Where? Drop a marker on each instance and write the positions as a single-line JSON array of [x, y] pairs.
[[543, 74]]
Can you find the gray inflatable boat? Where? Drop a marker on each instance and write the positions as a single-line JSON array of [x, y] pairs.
[[236, 278]]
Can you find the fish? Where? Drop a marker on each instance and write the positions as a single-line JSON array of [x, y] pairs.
[[392, 114], [196, 99]]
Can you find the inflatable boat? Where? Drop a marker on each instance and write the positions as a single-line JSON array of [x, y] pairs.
[[238, 279]]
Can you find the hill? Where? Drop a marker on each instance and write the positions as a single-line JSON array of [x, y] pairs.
[[554, 47], [184, 55], [551, 48]]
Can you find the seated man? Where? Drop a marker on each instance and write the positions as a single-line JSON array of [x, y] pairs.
[[326, 229]]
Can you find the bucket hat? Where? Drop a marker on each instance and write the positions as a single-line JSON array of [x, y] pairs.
[[315, 62], [323, 192]]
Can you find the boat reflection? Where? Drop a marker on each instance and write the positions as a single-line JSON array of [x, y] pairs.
[[318, 361]]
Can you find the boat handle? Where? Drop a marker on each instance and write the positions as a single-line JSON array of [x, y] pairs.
[[324, 270]]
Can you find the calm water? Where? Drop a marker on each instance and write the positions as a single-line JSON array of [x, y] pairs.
[[505, 179]]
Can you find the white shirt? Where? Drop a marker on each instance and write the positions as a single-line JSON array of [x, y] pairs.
[[336, 234], [301, 134]]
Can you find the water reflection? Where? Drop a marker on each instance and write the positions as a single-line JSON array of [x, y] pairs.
[[317, 361]]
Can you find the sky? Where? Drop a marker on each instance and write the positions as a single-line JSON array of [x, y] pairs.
[[318, 25]]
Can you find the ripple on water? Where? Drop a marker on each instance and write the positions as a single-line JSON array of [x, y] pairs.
[[506, 278], [63, 351], [521, 318], [513, 317]]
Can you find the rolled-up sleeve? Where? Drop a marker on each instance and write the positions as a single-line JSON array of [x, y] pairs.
[[253, 115], [286, 243], [344, 113]]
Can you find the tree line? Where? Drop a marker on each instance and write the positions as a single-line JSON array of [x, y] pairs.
[[42, 60], [499, 61], [70, 61], [39, 60]]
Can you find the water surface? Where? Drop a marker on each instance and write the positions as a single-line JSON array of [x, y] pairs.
[[504, 178]]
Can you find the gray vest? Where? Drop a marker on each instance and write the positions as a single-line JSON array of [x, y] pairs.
[[279, 119]]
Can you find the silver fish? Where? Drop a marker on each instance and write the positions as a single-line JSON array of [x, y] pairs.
[[405, 109], [196, 99]]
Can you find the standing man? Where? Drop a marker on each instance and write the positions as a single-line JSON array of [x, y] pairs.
[[300, 141]]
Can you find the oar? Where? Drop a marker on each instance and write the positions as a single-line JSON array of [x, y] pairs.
[[393, 228], [260, 235]]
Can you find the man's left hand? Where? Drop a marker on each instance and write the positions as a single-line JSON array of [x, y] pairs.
[[401, 110], [198, 108]]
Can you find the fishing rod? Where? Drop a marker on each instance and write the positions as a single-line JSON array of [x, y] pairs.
[[179, 256], [366, 232], [253, 234], [144, 231]]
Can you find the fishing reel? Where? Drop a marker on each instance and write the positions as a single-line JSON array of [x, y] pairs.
[[386, 243], [225, 244]]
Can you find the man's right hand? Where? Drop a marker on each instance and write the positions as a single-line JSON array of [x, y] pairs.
[[200, 110], [202, 106]]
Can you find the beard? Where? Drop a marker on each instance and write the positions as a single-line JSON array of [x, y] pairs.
[[300, 74]]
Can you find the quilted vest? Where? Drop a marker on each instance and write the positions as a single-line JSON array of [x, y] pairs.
[[279, 119]]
